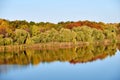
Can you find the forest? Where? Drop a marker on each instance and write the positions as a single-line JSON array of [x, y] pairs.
[[19, 32]]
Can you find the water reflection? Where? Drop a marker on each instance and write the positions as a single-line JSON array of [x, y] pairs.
[[72, 55], [6, 68], [62, 64]]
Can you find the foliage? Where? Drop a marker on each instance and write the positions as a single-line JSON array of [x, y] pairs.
[[83, 33], [98, 35], [66, 35], [8, 41], [73, 55], [23, 32], [20, 36], [1, 39], [35, 30], [110, 32]]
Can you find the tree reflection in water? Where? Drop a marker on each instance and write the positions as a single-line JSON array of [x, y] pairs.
[[73, 55]]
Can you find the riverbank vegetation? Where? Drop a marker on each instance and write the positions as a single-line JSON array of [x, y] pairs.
[[22, 32], [81, 54]]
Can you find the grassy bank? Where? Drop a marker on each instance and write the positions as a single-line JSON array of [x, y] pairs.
[[51, 45]]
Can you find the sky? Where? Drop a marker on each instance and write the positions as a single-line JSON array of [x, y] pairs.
[[61, 10]]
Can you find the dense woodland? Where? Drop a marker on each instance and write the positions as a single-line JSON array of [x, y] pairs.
[[23, 32]]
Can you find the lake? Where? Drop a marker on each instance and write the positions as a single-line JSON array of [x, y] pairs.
[[79, 63]]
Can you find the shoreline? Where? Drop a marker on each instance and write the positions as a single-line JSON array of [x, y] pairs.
[[52, 45]]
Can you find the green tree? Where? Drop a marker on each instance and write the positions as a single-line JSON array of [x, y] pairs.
[[52, 35], [98, 35], [1, 39], [110, 32], [21, 36], [84, 33], [35, 30], [66, 35], [8, 41]]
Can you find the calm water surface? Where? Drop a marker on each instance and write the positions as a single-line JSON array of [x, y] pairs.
[[103, 63]]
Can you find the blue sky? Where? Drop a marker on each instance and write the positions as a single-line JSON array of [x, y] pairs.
[[60, 10]]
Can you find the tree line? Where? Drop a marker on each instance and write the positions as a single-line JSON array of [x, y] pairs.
[[23, 32]]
